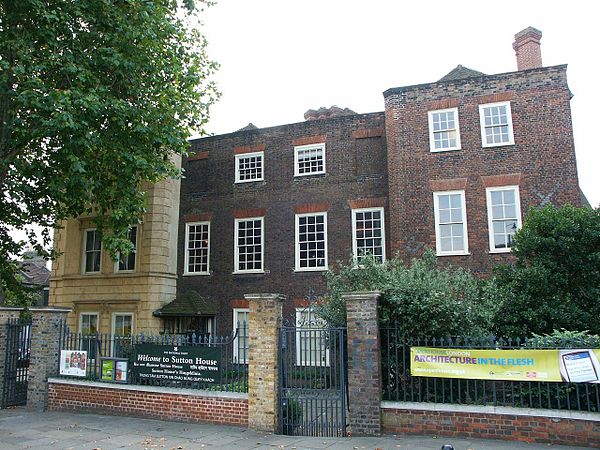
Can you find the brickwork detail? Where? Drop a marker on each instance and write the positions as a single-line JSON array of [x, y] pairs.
[[309, 140], [200, 217], [448, 185], [200, 407], [249, 149], [198, 156], [316, 207], [368, 203], [263, 360], [240, 303], [511, 179], [243, 213], [444, 103], [551, 430], [364, 363], [368, 133], [44, 355]]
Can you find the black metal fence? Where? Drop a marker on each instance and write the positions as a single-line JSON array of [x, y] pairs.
[[233, 376], [399, 385], [16, 368]]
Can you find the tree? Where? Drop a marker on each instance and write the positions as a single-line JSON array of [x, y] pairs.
[[96, 96], [555, 282], [425, 299]]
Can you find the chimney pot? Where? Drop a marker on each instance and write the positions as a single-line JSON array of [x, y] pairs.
[[528, 49]]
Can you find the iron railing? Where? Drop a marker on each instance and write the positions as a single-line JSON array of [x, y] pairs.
[[399, 385], [233, 376], [16, 367]]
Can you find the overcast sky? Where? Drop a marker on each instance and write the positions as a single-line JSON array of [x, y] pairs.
[[280, 58]]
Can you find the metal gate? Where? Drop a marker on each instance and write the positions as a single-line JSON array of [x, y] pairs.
[[312, 383], [16, 369]]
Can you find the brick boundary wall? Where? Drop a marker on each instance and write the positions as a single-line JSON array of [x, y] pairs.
[[180, 405], [527, 425]]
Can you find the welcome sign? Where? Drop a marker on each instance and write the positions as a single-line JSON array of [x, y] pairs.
[[177, 363], [570, 365]]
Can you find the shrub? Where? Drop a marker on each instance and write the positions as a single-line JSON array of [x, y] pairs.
[[425, 299], [555, 282]]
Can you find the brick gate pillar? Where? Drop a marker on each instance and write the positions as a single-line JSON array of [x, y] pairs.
[[45, 352], [6, 313], [263, 360], [364, 363]]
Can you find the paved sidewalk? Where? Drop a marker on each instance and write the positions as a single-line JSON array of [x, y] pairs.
[[23, 429]]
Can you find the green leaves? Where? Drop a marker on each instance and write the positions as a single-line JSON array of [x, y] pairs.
[[425, 299], [96, 97], [556, 280]]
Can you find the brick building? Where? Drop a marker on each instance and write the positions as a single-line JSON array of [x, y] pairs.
[[451, 165]]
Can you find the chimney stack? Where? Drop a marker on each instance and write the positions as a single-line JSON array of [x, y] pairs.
[[528, 49]]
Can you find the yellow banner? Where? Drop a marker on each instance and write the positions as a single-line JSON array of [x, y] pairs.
[[569, 365]]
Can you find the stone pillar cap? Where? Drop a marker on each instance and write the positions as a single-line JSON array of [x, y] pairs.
[[362, 294]]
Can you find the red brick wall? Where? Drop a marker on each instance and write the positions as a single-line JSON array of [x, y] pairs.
[[542, 158], [356, 164], [119, 400], [551, 430]]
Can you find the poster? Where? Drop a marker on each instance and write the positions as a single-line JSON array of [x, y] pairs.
[[121, 371], [73, 362], [568, 365], [108, 368]]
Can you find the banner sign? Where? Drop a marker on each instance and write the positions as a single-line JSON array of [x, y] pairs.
[[570, 365], [73, 362], [177, 363]]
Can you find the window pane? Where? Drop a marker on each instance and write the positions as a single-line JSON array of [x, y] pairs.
[[368, 234], [198, 246], [249, 245], [311, 245]]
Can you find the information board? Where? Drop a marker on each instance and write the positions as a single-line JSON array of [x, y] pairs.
[[177, 363]]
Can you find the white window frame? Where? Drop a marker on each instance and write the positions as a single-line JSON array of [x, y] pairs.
[[135, 252], [187, 249], [114, 322], [90, 313], [438, 241], [354, 231], [113, 326], [249, 155], [302, 148], [236, 248], [297, 243], [85, 252], [303, 333], [236, 321], [511, 136], [432, 132], [488, 195]]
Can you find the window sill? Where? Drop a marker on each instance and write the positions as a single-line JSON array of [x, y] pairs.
[[191, 274], [249, 272], [308, 175], [493, 252], [454, 254], [502, 144], [316, 269], [249, 181], [444, 150]]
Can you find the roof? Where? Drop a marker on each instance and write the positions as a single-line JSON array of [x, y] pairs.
[[249, 127], [188, 304], [35, 274], [459, 73]]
